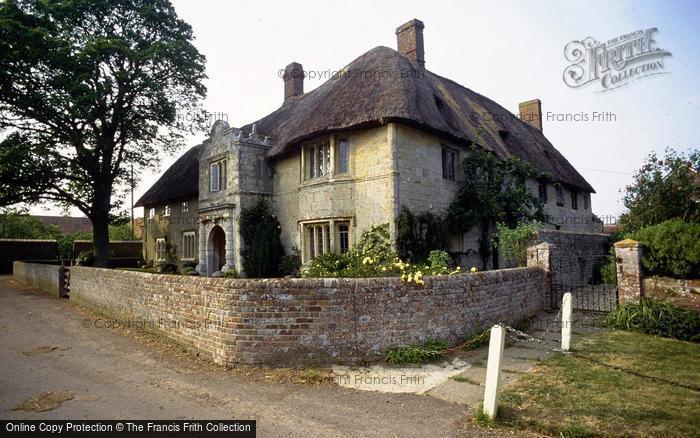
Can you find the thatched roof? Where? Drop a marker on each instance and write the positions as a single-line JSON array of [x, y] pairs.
[[179, 183], [383, 86]]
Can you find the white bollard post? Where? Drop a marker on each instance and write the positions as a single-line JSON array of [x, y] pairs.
[[566, 310], [493, 370]]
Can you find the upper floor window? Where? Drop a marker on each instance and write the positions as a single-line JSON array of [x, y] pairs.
[[449, 160], [586, 201], [188, 245], [151, 213], [542, 190], [217, 176], [185, 207], [574, 200], [343, 153], [318, 160], [166, 210], [560, 195]]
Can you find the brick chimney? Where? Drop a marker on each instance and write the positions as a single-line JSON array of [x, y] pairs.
[[293, 80], [531, 113], [409, 39]]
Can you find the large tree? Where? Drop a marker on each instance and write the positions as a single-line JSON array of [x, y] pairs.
[[88, 89], [663, 188]]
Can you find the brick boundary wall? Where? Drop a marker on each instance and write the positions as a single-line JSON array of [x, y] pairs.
[[308, 321], [48, 278]]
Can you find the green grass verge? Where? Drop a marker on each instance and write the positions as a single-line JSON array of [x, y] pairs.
[[571, 396], [430, 351]]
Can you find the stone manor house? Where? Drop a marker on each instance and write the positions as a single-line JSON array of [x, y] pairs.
[[385, 133]]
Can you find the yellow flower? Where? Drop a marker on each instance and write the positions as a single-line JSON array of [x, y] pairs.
[[383, 268], [459, 268], [409, 278], [473, 269], [418, 278], [403, 277]]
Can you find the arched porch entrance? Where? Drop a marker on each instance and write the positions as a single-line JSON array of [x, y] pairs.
[[216, 250]]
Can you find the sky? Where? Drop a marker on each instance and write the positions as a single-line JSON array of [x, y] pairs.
[[509, 51]]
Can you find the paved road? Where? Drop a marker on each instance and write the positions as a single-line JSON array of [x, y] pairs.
[[119, 376]]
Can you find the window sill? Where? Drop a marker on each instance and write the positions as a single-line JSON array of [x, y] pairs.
[[344, 178]]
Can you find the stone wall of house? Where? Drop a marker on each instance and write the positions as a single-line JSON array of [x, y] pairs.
[[363, 197], [421, 186], [171, 227], [579, 220], [309, 321], [48, 278]]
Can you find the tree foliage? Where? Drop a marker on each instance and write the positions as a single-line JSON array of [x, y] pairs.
[[17, 224], [671, 248], [260, 232], [663, 188], [87, 89], [494, 191], [513, 242]]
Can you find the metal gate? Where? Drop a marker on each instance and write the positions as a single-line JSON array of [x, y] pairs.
[[592, 282]]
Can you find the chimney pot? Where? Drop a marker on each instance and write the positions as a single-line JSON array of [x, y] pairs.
[[409, 39], [293, 80], [531, 113]]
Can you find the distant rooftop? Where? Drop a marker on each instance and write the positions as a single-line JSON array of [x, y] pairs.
[[66, 224]]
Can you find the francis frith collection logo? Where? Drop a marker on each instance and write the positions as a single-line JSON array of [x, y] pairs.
[[614, 63]]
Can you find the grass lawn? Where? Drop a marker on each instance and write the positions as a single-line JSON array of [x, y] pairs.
[[570, 396]]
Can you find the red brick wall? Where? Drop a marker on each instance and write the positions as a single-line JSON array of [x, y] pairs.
[[309, 321]]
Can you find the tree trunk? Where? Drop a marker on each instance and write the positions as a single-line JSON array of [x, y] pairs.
[[100, 241], [100, 220], [485, 244]]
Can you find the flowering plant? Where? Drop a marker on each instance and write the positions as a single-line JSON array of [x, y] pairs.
[[372, 256]]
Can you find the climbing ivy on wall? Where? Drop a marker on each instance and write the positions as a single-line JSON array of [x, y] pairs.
[[260, 233], [494, 191], [419, 234]]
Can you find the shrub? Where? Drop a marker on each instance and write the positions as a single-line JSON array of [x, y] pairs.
[[657, 317], [430, 351], [418, 234], [260, 233], [671, 248], [438, 263], [190, 264], [291, 264], [231, 273], [169, 264], [605, 271], [188, 270], [372, 256], [85, 258], [513, 242]]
